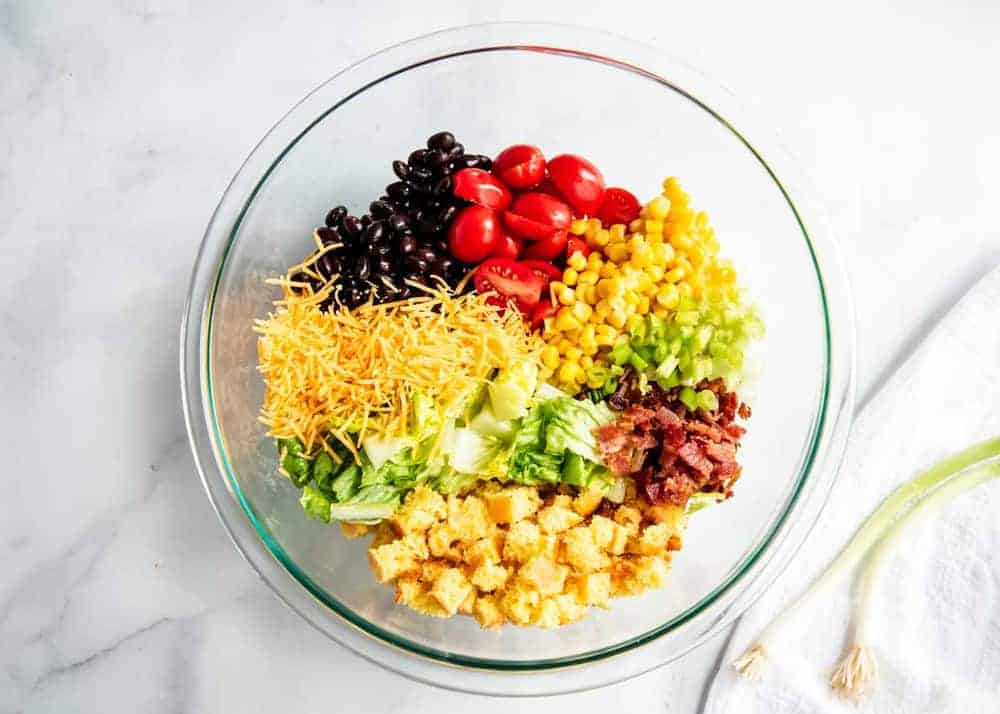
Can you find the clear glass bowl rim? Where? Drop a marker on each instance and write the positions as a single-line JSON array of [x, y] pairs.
[[278, 570]]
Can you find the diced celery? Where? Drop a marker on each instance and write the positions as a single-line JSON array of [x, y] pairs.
[[707, 400], [689, 398]]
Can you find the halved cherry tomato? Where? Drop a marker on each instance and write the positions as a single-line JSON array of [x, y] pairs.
[[577, 245], [508, 247], [474, 233], [535, 216], [545, 309], [578, 181], [544, 268], [511, 281], [480, 187], [547, 249], [618, 206], [520, 166]]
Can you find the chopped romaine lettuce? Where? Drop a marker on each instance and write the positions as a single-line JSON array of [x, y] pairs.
[[315, 504], [510, 393], [570, 426]]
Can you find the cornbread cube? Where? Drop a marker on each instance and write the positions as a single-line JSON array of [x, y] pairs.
[[554, 519], [450, 589], [422, 509], [653, 540], [431, 570], [468, 603], [384, 533], [487, 612], [519, 605], [629, 517], [562, 500], [582, 552], [391, 560], [548, 614], [587, 502], [651, 572], [490, 576], [467, 517], [609, 535], [524, 539], [673, 516], [569, 609], [354, 530], [413, 593], [440, 538], [594, 589], [544, 575], [484, 550], [512, 504]]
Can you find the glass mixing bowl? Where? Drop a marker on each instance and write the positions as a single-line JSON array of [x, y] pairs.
[[640, 116]]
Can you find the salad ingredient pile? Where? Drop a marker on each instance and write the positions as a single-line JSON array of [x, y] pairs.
[[520, 380]]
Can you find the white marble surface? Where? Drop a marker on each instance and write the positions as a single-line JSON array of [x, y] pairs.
[[121, 122]]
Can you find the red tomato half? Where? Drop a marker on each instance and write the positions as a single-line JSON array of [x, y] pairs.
[[547, 249], [618, 206], [474, 233], [520, 166], [508, 247], [511, 281], [535, 216], [480, 187], [578, 181], [545, 309], [577, 245], [544, 269]]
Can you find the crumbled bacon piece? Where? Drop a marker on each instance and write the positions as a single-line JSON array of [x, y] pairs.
[[673, 452]]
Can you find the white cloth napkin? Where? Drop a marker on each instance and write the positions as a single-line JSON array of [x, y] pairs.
[[937, 631]]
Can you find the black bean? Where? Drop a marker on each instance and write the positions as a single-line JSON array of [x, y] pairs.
[[420, 174], [415, 264], [355, 296], [427, 255], [445, 264], [401, 169], [428, 227], [417, 158], [399, 190], [362, 268], [383, 249], [384, 265], [328, 235], [414, 215], [437, 159], [329, 265], [448, 213], [352, 226], [443, 140], [407, 245], [398, 222], [456, 151], [335, 216], [375, 232], [404, 291], [442, 187], [482, 162], [380, 209]]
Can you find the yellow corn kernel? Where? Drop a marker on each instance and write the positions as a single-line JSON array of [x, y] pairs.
[[586, 362], [601, 238], [651, 225], [588, 277], [617, 318], [594, 224], [608, 270], [595, 260], [658, 208], [641, 258], [602, 308], [566, 296], [631, 298], [661, 253], [635, 225], [667, 296], [661, 312], [616, 234], [586, 293], [565, 345], [675, 274], [588, 334], [617, 252], [590, 349], [605, 335], [565, 320], [578, 227], [633, 322], [570, 276], [582, 311], [550, 356], [573, 354], [655, 273], [567, 372], [642, 307], [617, 303], [555, 287], [680, 241], [685, 289], [577, 261]]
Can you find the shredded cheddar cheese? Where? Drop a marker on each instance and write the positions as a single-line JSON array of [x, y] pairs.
[[352, 373]]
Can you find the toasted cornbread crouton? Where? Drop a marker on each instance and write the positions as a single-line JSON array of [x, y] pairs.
[[554, 519], [595, 589], [484, 550], [653, 539], [487, 612], [354, 530], [421, 509], [391, 560], [490, 576], [544, 575], [582, 552], [524, 539], [450, 589], [512, 504], [587, 502]]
